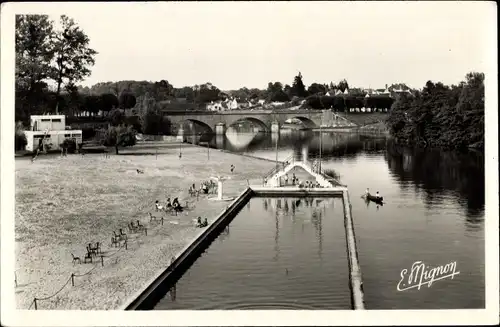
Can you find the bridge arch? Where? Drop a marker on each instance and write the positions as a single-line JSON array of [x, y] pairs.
[[307, 122], [255, 121], [195, 126], [195, 131]]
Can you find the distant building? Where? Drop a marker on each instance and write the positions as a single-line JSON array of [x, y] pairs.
[[223, 105]]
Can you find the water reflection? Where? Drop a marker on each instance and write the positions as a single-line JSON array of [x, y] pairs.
[[442, 176], [314, 208], [438, 175]]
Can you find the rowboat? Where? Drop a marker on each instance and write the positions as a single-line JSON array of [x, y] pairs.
[[376, 199]]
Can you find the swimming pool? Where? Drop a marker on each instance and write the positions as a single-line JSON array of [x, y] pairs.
[[277, 253]]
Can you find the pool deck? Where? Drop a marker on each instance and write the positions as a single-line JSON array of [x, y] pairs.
[[157, 287]]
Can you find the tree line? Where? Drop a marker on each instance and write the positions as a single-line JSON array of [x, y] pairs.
[[441, 115], [51, 62]]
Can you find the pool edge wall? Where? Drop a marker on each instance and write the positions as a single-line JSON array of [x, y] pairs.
[[149, 295], [355, 278], [154, 290]]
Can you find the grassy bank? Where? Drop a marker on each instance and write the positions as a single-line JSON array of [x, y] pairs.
[[62, 204]]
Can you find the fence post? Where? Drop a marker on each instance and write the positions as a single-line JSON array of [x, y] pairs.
[[125, 244], [146, 231], [102, 260], [72, 279], [162, 221], [36, 307]]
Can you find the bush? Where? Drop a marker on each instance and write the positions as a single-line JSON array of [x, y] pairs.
[[88, 133], [69, 145], [117, 136]]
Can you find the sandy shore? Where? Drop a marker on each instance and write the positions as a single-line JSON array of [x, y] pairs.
[[62, 204]]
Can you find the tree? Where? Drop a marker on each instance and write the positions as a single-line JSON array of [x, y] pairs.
[[339, 103], [288, 90], [74, 99], [185, 92], [153, 123], [127, 100], [441, 116], [276, 93], [116, 117], [109, 102], [92, 104], [316, 88], [206, 93], [34, 53], [120, 136], [73, 56], [298, 87], [20, 141], [162, 90], [343, 85], [314, 101]]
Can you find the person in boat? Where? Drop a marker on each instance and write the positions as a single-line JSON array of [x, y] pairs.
[[204, 188], [286, 179], [367, 192], [294, 179], [169, 205], [377, 195]]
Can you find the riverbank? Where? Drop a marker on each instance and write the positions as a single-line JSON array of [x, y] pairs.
[[62, 204]]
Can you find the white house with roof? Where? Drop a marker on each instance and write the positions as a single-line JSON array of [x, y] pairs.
[[223, 105], [332, 93]]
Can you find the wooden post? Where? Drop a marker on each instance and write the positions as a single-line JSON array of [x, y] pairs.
[[146, 231], [36, 307], [72, 279], [102, 260]]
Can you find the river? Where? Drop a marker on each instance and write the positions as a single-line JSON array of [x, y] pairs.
[[434, 213]]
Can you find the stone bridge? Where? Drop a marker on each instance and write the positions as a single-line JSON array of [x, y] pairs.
[[265, 120]]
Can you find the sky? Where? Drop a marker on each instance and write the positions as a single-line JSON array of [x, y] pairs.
[[233, 45]]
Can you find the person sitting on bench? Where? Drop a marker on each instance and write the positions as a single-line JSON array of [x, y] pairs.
[[158, 206]]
